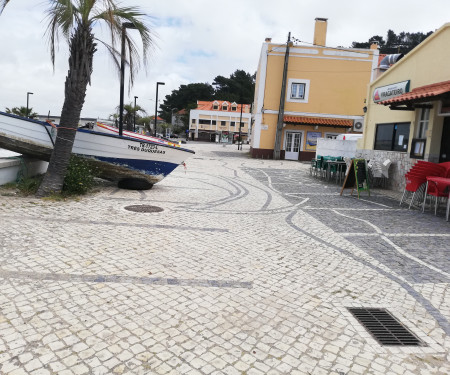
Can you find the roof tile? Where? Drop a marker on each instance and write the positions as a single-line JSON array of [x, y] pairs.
[[318, 121]]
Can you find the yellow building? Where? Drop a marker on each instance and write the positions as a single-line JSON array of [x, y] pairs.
[[408, 109], [219, 121], [324, 95]]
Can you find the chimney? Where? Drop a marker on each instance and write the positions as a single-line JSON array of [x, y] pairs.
[[268, 40], [320, 31]]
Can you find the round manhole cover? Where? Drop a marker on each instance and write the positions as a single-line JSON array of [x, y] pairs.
[[143, 208]]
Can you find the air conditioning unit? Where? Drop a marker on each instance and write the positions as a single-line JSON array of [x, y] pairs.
[[358, 125]]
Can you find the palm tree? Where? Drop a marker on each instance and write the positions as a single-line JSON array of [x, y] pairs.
[[75, 20], [129, 112], [22, 111]]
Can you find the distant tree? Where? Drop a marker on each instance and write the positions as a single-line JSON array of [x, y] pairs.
[[239, 88], [401, 43], [186, 95], [145, 121], [22, 111]]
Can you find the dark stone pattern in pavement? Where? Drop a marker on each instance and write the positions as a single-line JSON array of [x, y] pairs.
[[126, 279], [409, 269], [366, 215]]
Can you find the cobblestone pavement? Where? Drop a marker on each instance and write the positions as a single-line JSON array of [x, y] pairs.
[[249, 270]]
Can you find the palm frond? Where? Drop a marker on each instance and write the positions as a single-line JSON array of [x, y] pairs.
[[115, 17], [3, 3]]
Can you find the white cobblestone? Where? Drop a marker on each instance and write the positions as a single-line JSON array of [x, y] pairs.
[[233, 277]]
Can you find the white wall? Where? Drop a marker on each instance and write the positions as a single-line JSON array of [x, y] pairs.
[[335, 147], [11, 166]]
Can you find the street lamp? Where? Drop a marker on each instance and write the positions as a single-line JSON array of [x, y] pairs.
[[125, 25], [240, 124], [134, 119], [156, 103], [171, 119], [28, 96]]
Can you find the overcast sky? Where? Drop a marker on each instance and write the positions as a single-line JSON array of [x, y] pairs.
[[196, 40]]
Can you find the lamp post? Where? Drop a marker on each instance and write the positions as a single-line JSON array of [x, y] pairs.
[[156, 103], [28, 96], [240, 124], [125, 25], [171, 119], [134, 118]]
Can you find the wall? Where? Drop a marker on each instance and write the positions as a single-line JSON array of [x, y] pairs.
[[335, 147], [401, 163], [9, 168]]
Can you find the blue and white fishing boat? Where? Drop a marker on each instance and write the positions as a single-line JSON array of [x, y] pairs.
[[117, 158]]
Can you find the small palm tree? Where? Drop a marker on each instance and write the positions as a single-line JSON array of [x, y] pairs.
[[75, 21], [129, 112], [22, 111]]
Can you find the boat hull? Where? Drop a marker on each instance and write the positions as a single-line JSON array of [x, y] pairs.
[[115, 158]]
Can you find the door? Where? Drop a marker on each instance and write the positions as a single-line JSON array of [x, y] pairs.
[[292, 145], [444, 155]]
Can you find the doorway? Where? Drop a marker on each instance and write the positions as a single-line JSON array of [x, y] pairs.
[[292, 145], [444, 154]]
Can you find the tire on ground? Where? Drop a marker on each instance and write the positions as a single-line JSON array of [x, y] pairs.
[[134, 184]]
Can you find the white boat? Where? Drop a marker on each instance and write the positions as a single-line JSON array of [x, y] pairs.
[[116, 158], [104, 128]]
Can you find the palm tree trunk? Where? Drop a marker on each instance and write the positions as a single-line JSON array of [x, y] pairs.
[[82, 49]]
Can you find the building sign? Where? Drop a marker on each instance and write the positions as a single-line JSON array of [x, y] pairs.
[[390, 91], [311, 140]]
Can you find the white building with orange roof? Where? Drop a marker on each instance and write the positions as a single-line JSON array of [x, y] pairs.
[[218, 121]]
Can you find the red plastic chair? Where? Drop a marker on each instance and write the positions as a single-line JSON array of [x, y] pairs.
[[446, 165], [437, 190], [413, 182], [416, 178]]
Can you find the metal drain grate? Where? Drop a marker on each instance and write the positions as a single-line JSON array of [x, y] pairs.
[[143, 208], [385, 328]]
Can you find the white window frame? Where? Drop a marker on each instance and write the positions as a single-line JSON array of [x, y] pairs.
[[292, 81], [425, 122], [302, 140]]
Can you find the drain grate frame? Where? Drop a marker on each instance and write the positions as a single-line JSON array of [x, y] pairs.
[[384, 327], [145, 208]]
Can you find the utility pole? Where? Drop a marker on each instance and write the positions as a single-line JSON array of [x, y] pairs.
[[277, 147]]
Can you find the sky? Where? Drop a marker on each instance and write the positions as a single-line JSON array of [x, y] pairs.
[[195, 41]]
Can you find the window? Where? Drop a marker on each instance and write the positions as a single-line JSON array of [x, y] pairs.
[[215, 106], [234, 108], [392, 137], [225, 107], [223, 123], [204, 122], [331, 135], [422, 125], [193, 120], [298, 91], [232, 123], [213, 122]]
